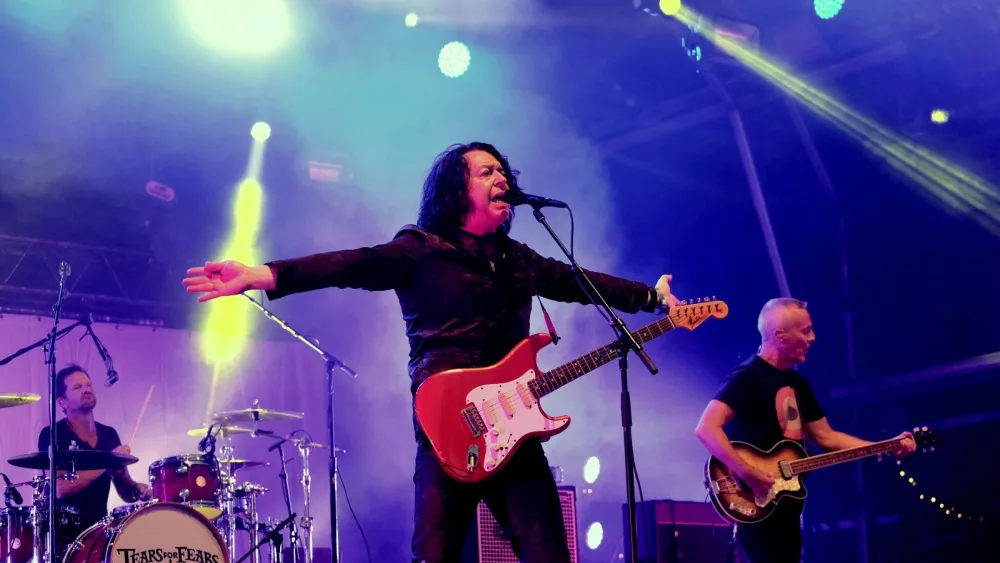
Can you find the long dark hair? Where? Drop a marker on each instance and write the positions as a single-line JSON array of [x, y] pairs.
[[445, 201]]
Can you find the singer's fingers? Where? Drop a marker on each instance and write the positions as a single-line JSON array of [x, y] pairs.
[[200, 287], [208, 296], [197, 271], [196, 280]]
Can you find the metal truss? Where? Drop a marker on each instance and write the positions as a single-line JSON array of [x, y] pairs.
[[111, 285]]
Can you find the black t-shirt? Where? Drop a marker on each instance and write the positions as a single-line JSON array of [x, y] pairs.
[[92, 501], [770, 404]]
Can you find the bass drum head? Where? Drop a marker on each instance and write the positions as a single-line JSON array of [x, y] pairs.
[[161, 532]]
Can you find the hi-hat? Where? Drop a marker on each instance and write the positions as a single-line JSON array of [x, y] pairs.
[[74, 460], [221, 430], [17, 399], [251, 415]]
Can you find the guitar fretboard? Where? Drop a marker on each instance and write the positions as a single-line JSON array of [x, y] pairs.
[[573, 370], [833, 458]]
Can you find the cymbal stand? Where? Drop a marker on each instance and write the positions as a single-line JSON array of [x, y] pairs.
[[307, 521]]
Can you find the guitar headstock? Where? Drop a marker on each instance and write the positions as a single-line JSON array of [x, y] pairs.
[[690, 315], [924, 438]]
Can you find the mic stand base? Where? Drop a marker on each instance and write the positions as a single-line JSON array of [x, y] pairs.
[[274, 537], [626, 343]]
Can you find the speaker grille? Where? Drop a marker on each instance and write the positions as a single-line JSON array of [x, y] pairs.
[[495, 548]]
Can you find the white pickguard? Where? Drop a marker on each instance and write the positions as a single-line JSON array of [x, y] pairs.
[[780, 484], [512, 415]]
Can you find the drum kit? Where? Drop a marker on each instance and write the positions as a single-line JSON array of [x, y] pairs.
[[196, 509]]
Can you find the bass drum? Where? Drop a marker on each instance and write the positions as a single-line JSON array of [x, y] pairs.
[[153, 532]]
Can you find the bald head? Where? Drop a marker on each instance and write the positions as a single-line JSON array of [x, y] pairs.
[[785, 331], [777, 314]]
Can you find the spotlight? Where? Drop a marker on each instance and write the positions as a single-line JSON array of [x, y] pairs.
[[454, 58], [595, 535], [940, 116], [260, 131], [827, 9], [411, 20], [591, 469]]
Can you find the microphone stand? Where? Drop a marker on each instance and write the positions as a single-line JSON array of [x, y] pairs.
[[332, 363], [626, 343], [64, 272]]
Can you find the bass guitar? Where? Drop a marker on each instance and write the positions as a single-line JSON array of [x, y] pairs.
[[476, 418], [735, 501]]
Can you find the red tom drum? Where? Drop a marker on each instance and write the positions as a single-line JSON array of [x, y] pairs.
[[187, 479]]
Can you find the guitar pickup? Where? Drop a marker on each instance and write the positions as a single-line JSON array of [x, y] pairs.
[[473, 421]]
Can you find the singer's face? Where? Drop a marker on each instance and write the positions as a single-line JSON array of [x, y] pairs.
[[79, 393], [486, 182]]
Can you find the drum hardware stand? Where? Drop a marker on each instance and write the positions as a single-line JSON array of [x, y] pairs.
[[248, 493], [307, 520], [273, 536], [293, 536], [332, 363]]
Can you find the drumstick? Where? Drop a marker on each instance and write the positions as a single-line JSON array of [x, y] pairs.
[[138, 419]]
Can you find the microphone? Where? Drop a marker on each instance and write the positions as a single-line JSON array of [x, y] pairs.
[[12, 491], [108, 362], [517, 197], [203, 444]]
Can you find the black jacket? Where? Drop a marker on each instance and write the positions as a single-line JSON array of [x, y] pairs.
[[466, 300]]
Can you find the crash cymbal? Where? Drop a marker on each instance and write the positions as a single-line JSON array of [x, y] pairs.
[[17, 399], [79, 460], [237, 464], [221, 430], [251, 415]]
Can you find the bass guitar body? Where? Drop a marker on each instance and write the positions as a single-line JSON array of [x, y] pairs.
[[736, 501]]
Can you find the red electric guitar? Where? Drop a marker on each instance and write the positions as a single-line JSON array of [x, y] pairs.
[[476, 418]]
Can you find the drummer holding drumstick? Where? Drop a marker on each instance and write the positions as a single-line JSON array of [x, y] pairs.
[[89, 492]]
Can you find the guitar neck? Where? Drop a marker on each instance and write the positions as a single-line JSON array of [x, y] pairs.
[[833, 458], [573, 370]]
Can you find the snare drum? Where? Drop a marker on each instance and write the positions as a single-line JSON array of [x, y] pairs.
[[153, 532], [187, 479]]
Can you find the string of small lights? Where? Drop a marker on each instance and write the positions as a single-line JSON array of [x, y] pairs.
[[938, 502]]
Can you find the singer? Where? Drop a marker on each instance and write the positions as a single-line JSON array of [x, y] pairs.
[[89, 492], [465, 289]]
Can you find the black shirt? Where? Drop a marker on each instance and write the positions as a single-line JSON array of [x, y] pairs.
[[770, 404], [465, 299], [92, 501]]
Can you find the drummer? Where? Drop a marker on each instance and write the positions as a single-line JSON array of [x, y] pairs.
[[89, 492]]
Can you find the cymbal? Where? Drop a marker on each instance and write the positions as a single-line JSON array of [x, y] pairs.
[[17, 399], [80, 460], [223, 430], [250, 415], [237, 464]]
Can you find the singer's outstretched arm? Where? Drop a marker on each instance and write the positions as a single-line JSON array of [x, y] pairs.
[[382, 267]]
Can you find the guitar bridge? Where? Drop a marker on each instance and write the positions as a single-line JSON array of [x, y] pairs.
[[474, 421]]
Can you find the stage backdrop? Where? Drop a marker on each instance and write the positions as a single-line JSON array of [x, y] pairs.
[[283, 376]]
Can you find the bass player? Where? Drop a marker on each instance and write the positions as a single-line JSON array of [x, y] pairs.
[[763, 401], [465, 289]]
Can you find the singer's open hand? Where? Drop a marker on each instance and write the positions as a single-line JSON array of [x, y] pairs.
[[218, 279]]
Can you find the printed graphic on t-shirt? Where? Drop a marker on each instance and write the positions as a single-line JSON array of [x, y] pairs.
[[788, 413]]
